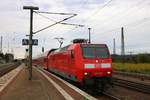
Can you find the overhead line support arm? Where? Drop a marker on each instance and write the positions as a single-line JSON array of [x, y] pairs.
[[54, 24]]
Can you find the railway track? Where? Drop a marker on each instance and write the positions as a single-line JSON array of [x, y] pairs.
[[103, 95], [135, 75], [132, 85], [112, 97], [5, 68]]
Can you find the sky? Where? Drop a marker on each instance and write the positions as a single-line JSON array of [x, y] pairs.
[[104, 17]]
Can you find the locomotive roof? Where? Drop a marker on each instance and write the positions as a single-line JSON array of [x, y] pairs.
[[71, 46], [93, 45], [45, 54]]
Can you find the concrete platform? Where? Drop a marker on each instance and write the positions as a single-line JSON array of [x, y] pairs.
[[36, 89]]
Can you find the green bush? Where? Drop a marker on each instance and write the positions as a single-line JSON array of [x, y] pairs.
[[130, 67]]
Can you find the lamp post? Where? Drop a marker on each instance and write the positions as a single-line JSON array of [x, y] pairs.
[[31, 8], [89, 35]]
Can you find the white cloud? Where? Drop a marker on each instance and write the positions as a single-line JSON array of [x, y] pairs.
[[105, 22]]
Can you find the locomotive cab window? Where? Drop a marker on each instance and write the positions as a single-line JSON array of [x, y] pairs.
[[94, 51], [72, 54]]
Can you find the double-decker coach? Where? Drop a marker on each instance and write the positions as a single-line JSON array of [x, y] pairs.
[[42, 60]]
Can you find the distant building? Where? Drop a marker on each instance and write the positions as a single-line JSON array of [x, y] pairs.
[[9, 57]]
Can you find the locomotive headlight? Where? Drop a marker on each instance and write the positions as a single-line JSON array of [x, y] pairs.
[[105, 65], [85, 73], [108, 72]]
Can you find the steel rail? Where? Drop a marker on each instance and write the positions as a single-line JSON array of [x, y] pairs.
[[132, 85], [111, 96], [138, 75], [7, 68]]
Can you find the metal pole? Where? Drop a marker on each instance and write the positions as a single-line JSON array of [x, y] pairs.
[[122, 42], [122, 45], [114, 49], [30, 37], [1, 44], [89, 35], [8, 47], [30, 44]]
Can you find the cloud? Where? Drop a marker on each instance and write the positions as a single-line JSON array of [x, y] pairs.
[[105, 22]]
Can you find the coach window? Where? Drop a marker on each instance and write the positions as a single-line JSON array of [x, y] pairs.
[[72, 54]]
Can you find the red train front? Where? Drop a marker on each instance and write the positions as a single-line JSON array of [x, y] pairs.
[[89, 64]]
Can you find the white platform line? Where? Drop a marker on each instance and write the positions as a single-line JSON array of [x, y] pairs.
[[63, 92], [89, 97], [11, 79]]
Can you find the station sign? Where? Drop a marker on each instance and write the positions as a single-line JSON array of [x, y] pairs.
[[26, 41], [34, 41]]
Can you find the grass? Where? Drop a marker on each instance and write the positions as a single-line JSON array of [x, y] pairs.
[[130, 67]]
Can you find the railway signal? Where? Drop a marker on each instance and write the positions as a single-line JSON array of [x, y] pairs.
[[42, 49]]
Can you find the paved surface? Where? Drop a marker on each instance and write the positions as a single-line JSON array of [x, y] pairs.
[[36, 89]]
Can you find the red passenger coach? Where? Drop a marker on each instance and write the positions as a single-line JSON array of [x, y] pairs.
[[41, 60], [83, 63]]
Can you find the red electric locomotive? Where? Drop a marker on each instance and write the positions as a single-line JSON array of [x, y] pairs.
[[89, 64]]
